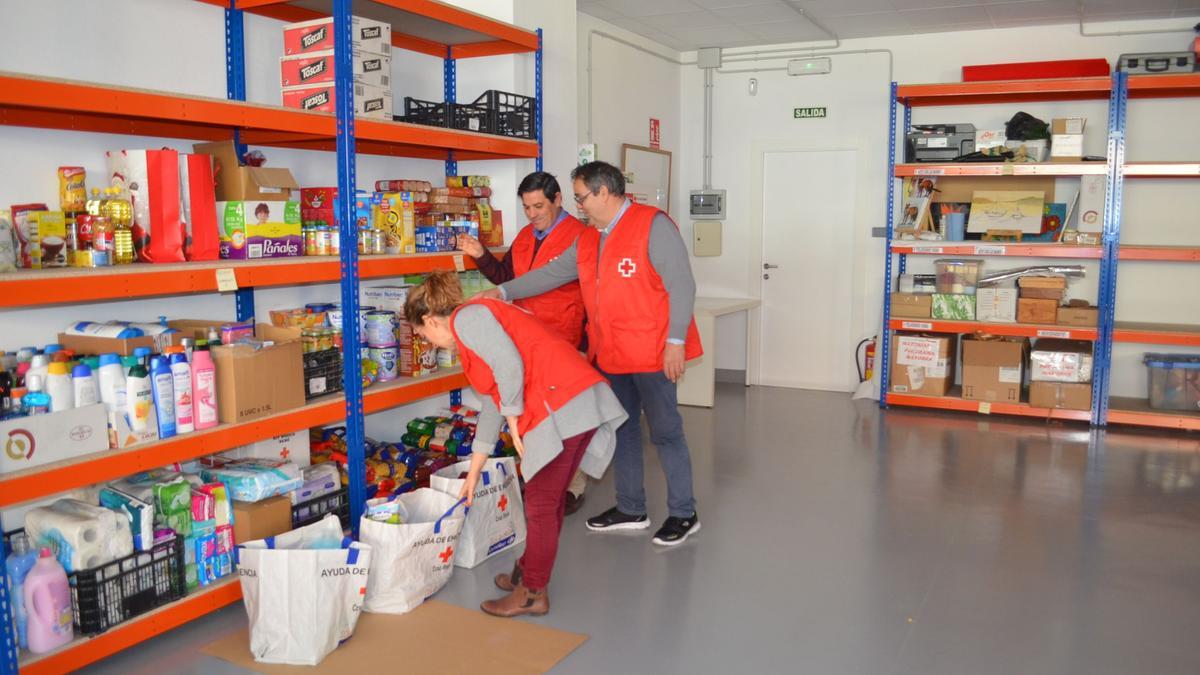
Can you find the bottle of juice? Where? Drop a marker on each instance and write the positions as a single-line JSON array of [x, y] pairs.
[[102, 241]]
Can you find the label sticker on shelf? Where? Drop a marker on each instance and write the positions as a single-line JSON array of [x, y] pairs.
[[1054, 333], [985, 408], [990, 250], [226, 280], [929, 172], [927, 249], [916, 325], [458, 263]]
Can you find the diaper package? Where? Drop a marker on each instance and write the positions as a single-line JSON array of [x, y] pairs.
[[254, 480]]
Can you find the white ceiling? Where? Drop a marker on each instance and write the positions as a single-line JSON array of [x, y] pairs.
[[689, 24]]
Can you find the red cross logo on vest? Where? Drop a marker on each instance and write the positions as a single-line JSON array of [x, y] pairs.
[[503, 503], [626, 267], [446, 555]]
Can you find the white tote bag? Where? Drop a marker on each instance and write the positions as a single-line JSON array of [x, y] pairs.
[[303, 591], [412, 560], [496, 521]]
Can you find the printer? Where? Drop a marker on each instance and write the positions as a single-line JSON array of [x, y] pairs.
[[939, 142]]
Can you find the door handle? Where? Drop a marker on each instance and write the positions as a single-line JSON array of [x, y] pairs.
[[769, 266]]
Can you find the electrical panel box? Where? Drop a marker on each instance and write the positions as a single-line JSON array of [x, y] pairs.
[[706, 238], [707, 205]]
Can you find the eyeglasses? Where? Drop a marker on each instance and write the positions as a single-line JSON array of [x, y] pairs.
[[580, 199]]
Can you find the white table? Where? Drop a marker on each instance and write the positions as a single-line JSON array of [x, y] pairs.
[[697, 385]]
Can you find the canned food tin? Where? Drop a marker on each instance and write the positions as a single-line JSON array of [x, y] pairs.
[[387, 359], [381, 328]]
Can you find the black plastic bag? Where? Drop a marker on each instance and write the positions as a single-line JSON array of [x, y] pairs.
[[1026, 127]]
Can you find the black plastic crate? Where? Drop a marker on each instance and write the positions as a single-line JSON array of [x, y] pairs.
[[510, 114], [474, 117], [429, 113], [110, 594], [309, 512], [322, 373]]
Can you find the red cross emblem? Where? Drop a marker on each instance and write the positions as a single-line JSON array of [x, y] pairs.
[[503, 502], [446, 555], [362, 590], [285, 453], [626, 267]]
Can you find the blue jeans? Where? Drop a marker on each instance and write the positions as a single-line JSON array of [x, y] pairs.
[[654, 394]]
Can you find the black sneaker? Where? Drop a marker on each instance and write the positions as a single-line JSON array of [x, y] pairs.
[[614, 519], [676, 530]]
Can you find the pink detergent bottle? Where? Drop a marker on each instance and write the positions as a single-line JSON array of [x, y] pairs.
[[50, 623]]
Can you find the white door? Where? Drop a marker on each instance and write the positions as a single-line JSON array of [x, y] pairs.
[[808, 236]]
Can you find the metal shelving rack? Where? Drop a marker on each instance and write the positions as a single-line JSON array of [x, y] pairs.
[[1118, 89], [425, 26]]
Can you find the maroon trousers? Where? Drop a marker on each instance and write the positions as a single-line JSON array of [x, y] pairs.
[[545, 501]]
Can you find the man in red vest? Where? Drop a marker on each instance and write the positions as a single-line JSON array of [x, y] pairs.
[[551, 230], [638, 289]]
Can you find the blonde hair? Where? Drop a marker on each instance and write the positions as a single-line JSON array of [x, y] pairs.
[[439, 295]]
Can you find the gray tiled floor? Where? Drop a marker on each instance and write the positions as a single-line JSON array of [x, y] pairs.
[[838, 539]]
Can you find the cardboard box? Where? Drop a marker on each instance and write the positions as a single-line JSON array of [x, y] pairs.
[[1060, 395], [989, 138], [293, 447], [386, 298], [1056, 294], [48, 247], [316, 205], [923, 363], [318, 68], [246, 183], [912, 305], [396, 215], [1066, 139], [953, 307], [369, 101], [258, 520], [1090, 209], [1037, 310], [267, 229], [90, 344], [1035, 151], [316, 35], [1058, 360], [996, 305], [255, 383], [42, 439], [1079, 315], [1041, 282], [992, 369], [961, 189]]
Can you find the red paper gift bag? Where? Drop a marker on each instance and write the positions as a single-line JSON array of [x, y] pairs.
[[199, 204]]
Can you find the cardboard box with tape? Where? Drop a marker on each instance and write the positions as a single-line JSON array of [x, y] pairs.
[[923, 363], [992, 370]]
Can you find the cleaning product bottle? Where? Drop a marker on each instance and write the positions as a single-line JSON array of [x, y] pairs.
[[38, 365], [58, 386], [35, 401], [47, 596], [18, 564], [138, 398], [142, 354], [204, 388], [112, 380], [25, 354], [163, 389], [83, 383], [181, 376]]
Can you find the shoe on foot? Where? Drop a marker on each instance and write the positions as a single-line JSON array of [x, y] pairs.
[[573, 503], [509, 580], [521, 601], [676, 530], [614, 519]]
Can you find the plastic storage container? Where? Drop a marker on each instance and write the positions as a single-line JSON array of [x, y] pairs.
[[957, 276], [429, 113], [1174, 381], [309, 512]]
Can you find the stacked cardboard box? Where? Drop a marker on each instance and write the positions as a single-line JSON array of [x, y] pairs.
[[992, 368], [307, 70], [1060, 374], [923, 363], [1039, 298]]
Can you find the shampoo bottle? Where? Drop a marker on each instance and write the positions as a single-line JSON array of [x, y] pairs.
[[112, 380], [138, 398], [163, 389], [181, 376], [86, 389], [204, 388]]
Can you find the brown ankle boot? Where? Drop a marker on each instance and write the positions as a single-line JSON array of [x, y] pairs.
[[521, 601], [509, 581]]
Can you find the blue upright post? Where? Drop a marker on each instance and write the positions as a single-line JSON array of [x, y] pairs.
[[537, 96], [235, 89], [1102, 361], [347, 183], [244, 302], [8, 645], [886, 334], [450, 92]]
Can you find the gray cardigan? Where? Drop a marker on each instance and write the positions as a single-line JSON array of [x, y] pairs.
[[594, 408]]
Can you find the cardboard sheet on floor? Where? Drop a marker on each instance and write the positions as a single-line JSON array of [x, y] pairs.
[[431, 638]]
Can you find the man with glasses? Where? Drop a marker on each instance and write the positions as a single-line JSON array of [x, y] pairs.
[[639, 293]]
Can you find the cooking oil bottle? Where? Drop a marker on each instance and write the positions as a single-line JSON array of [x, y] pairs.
[[119, 211]]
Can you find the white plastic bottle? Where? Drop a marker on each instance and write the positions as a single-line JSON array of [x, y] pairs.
[[204, 388], [181, 374], [112, 381], [39, 364], [58, 385], [138, 398], [83, 383]]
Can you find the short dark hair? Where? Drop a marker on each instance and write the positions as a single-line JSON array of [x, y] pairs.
[[540, 180], [261, 209], [597, 174]]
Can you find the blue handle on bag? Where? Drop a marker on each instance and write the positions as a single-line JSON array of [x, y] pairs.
[[437, 525], [487, 480]]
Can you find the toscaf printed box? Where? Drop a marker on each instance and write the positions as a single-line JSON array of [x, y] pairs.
[[369, 101], [307, 70], [923, 363], [306, 37], [252, 230]]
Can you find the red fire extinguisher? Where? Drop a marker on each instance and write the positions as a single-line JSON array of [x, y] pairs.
[[865, 364]]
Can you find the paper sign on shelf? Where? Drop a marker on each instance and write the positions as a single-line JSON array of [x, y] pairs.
[[927, 249], [1054, 334], [930, 172], [226, 280], [915, 325], [459, 266], [985, 408], [990, 250], [918, 351]]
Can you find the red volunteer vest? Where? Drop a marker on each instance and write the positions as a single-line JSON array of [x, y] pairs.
[[562, 308], [628, 308], [555, 372]]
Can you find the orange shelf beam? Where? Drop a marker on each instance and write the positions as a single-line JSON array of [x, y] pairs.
[[1165, 86], [1137, 411], [1003, 169], [1163, 253], [973, 93], [86, 651], [994, 408], [1162, 169], [1180, 335], [1006, 329], [22, 486], [997, 249]]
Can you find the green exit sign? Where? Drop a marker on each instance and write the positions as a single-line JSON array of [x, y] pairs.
[[808, 113]]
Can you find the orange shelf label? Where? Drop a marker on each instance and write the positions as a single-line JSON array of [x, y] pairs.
[[929, 172], [1054, 334], [990, 250], [916, 325]]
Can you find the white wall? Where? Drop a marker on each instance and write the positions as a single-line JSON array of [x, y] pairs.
[[856, 94]]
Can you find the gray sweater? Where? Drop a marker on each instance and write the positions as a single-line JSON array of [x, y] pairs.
[[668, 255], [594, 408]]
